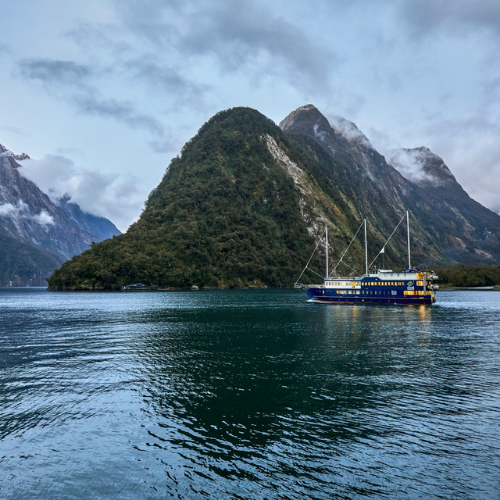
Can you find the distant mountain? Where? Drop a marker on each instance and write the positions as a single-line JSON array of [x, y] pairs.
[[246, 201], [37, 235], [99, 227]]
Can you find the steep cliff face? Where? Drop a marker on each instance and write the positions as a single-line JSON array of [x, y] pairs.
[[468, 232], [30, 220], [449, 226], [245, 204]]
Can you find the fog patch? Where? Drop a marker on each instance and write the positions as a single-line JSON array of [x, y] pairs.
[[22, 210], [349, 130], [117, 197], [409, 163], [43, 218], [7, 209]]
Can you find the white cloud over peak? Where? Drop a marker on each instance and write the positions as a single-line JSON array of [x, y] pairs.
[[116, 197]]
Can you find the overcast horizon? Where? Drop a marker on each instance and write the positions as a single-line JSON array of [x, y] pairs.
[[102, 94]]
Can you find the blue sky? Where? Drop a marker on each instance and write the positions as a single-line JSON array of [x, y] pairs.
[[102, 94]]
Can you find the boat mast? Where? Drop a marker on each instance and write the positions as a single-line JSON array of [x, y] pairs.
[[366, 252], [408, 226], [326, 230]]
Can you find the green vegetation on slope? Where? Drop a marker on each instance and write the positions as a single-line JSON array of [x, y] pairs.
[[468, 276], [225, 214], [22, 262]]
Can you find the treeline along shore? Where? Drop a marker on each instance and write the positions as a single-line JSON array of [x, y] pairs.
[[462, 276]]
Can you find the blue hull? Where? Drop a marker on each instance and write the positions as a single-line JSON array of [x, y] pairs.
[[325, 296]]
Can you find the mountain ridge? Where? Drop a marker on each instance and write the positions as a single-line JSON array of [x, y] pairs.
[[45, 233], [246, 201]]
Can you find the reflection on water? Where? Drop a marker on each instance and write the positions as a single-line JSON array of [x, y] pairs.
[[247, 394]]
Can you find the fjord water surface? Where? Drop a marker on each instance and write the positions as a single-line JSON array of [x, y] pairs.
[[247, 394]]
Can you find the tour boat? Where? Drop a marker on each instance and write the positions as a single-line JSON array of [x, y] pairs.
[[379, 286]]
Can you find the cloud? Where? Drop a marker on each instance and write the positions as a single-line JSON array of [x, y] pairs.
[[169, 81], [410, 163], [43, 218], [121, 111], [117, 197], [472, 151], [426, 16], [238, 35], [7, 209], [349, 130], [74, 82], [13, 130], [22, 210], [54, 72]]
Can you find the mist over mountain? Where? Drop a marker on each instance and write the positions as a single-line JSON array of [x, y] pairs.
[[36, 234], [246, 201], [449, 226]]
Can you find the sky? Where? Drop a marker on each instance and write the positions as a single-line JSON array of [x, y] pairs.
[[102, 94]]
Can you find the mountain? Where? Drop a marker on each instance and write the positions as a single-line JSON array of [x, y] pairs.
[[99, 227], [448, 226], [246, 202], [36, 234]]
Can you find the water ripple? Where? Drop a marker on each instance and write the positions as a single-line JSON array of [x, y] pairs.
[[247, 394]]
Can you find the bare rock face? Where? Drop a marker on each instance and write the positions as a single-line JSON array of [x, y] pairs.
[[31, 219], [452, 226], [22, 156]]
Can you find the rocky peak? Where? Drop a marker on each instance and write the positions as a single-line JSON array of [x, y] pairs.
[[5, 152], [308, 120], [41, 233], [421, 166]]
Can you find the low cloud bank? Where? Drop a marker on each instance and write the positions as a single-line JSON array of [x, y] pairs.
[[409, 163], [22, 210], [349, 130], [117, 197]]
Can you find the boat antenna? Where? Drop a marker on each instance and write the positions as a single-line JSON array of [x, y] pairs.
[[366, 252], [408, 226]]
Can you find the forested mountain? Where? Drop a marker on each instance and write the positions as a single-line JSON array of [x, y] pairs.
[[246, 201], [36, 234], [448, 226]]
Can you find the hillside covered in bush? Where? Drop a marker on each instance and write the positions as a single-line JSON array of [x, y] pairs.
[[246, 202]]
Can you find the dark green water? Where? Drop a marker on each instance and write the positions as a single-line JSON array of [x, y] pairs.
[[247, 395]]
